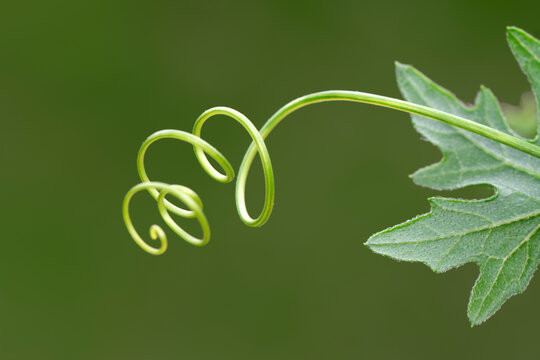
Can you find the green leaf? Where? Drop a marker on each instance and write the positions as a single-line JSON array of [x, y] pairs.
[[526, 50], [500, 234]]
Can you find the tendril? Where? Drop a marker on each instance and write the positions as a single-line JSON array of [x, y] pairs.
[[187, 196], [202, 149]]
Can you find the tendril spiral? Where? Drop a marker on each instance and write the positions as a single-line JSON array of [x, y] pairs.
[[186, 195], [192, 202]]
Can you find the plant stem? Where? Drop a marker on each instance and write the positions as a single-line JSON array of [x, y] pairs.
[[356, 96], [202, 149]]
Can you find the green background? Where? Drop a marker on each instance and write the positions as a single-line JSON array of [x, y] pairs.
[[83, 84]]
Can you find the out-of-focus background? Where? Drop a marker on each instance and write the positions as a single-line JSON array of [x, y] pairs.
[[83, 83]]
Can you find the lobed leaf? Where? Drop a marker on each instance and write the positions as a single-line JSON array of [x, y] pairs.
[[500, 234]]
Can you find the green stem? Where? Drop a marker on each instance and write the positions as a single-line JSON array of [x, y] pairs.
[[356, 96], [202, 148]]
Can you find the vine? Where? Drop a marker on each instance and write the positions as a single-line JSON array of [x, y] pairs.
[[194, 205]]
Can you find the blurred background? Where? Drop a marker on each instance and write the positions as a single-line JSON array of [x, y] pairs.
[[83, 83]]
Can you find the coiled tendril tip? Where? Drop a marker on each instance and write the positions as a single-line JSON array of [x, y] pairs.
[[187, 196]]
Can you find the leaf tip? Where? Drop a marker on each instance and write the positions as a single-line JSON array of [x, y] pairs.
[[476, 317], [475, 322], [514, 33], [369, 241], [513, 30], [400, 67]]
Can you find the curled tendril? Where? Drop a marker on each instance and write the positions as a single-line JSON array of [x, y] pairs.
[[202, 149], [187, 196], [191, 200]]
